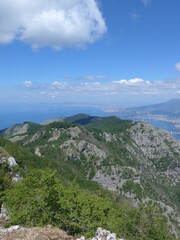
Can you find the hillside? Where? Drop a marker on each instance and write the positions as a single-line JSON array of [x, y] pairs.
[[170, 109], [137, 162]]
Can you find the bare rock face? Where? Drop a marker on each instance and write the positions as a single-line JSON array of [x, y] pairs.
[[37, 152], [74, 148], [17, 138], [55, 134], [74, 132], [17, 178], [2, 160], [5, 158], [3, 214], [109, 137], [52, 121], [154, 143], [103, 234], [17, 130], [35, 137], [12, 162]]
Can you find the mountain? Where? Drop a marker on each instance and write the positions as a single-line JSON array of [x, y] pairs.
[[136, 161], [170, 108], [164, 115]]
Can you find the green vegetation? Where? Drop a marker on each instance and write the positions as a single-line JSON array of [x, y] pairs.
[[105, 145], [5, 180], [109, 124], [105, 124], [3, 153], [82, 119], [33, 127], [130, 186], [41, 199]]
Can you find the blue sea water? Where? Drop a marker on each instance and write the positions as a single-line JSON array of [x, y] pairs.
[[158, 124], [9, 118], [38, 115], [166, 126]]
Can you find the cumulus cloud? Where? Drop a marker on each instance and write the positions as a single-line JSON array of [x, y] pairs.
[[123, 87], [146, 2], [177, 67], [51, 23], [58, 85], [28, 84], [131, 82]]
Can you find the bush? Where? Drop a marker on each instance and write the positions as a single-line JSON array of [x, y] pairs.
[[40, 199]]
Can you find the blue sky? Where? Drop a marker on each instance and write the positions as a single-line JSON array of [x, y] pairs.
[[105, 53]]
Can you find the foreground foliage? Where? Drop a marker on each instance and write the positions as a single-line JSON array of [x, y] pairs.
[[41, 199]]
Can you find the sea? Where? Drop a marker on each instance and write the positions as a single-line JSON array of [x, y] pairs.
[[10, 118], [166, 126], [162, 125]]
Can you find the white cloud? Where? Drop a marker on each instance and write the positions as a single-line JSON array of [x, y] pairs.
[[123, 87], [58, 85], [53, 23], [150, 93], [146, 2], [131, 82], [28, 84], [177, 67]]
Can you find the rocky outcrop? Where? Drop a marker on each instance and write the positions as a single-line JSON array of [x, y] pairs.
[[74, 148], [35, 137], [154, 143], [3, 215], [49, 233], [102, 234], [16, 130], [72, 132], [12, 162], [52, 121], [2, 160], [15, 176], [17, 138], [55, 134], [37, 152], [109, 137]]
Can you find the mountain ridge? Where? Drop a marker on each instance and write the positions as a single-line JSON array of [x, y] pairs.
[[135, 160]]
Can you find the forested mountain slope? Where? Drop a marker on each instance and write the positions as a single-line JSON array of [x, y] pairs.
[[135, 160]]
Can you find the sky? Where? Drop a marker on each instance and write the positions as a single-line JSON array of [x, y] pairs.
[[108, 54]]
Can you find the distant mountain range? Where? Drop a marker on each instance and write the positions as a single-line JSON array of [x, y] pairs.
[[164, 115], [169, 109]]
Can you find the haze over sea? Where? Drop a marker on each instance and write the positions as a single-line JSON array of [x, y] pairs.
[[8, 117]]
